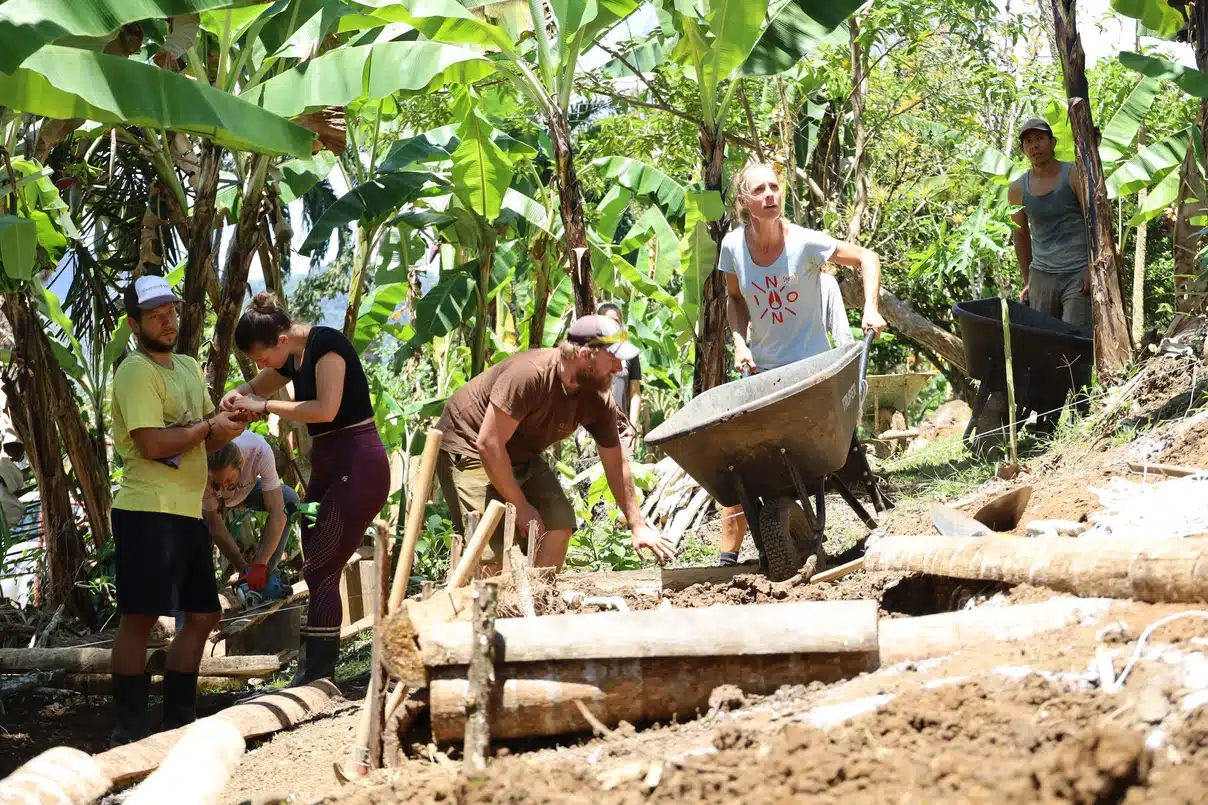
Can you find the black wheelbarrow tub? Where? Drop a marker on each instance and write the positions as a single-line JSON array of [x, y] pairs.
[[1049, 357], [809, 409]]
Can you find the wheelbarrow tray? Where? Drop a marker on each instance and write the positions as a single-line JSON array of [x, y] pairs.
[[1048, 356], [808, 409]]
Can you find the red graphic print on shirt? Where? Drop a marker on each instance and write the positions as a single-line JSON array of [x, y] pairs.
[[772, 298]]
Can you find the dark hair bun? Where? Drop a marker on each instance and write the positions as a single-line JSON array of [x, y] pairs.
[[265, 302]]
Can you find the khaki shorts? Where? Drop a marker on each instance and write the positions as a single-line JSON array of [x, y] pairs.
[[466, 488]]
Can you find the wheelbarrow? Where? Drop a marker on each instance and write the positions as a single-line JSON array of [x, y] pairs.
[[771, 442], [1049, 359]]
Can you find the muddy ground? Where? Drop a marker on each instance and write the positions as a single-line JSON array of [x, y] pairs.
[[998, 722]]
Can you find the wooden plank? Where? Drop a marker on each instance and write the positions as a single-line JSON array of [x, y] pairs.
[[96, 661], [539, 698], [813, 627], [681, 578], [838, 572], [377, 678], [1156, 571], [612, 580]]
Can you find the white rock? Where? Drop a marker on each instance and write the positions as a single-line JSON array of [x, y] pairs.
[[1054, 528]]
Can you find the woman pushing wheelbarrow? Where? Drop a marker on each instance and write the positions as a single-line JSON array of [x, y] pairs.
[[780, 308]]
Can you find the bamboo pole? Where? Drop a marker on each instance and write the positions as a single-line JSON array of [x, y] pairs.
[[482, 534], [415, 518], [1147, 570], [509, 535], [1010, 369], [377, 678]]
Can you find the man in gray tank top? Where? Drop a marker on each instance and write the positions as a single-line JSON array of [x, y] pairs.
[[1051, 241]]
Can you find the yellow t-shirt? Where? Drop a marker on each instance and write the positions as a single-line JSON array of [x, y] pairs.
[[147, 395]]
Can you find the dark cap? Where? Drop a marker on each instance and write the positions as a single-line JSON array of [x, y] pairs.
[[601, 331], [148, 292], [1036, 124]]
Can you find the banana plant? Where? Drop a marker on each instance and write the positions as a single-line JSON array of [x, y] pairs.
[[577, 26]]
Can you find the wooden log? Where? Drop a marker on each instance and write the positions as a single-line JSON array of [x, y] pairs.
[[55, 777], [520, 577], [815, 627], [838, 572], [1174, 571], [684, 517], [255, 718], [96, 661], [197, 769], [353, 629], [415, 518], [480, 677], [913, 639], [478, 542], [372, 742], [538, 698], [102, 684]]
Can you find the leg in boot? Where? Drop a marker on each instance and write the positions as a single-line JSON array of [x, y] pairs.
[[180, 699], [130, 706], [317, 656]]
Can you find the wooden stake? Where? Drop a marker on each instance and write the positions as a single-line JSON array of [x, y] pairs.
[[509, 535], [838, 572], [533, 539], [481, 535], [418, 497], [524, 589], [377, 677], [481, 678]]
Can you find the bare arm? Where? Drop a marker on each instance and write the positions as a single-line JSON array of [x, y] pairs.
[[223, 539], [266, 383], [869, 263], [156, 443], [274, 503], [738, 316], [635, 401], [497, 428], [1022, 236], [329, 390]]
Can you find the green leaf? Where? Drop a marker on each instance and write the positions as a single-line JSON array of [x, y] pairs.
[[644, 57], [1150, 164], [448, 21], [572, 15], [298, 176], [377, 310], [517, 205], [1161, 197], [18, 246], [667, 254], [65, 83], [1188, 79], [1157, 15], [610, 210], [436, 144], [697, 249], [27, 25], [795, 30], [481, 170], [293, 26], [643, 180], [442, 310], [240, 19], [1059, 121], [368, 73], [735, 25], [1122, 128], [369, 202]]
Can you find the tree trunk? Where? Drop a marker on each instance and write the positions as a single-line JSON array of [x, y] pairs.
[[1186, 242], [1112, 342], [860, 157], [1138, 289], [234, 286], [570, 197], [710, 369], [356, 286], [540, 300], [478, 347], [201, 255], [32, 405]]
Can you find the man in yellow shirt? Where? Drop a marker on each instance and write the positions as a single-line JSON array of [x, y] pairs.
[[163, 423]]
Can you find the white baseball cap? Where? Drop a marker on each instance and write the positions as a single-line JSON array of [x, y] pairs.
[[149, 292], [601, 331]]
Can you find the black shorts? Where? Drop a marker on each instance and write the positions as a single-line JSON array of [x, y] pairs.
[[165, 564]]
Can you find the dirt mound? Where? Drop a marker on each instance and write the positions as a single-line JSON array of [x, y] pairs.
[[755, 589]]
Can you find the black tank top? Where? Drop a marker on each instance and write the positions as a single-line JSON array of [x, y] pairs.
[[355, 405]]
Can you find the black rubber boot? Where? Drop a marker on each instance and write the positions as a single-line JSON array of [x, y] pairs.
[[317, 659], [728, 559], [130, 707], [180, 699]]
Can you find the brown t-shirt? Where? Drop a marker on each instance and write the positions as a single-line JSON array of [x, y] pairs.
[[528, 388]]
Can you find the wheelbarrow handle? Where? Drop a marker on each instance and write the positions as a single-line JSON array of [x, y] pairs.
[[868, 337]]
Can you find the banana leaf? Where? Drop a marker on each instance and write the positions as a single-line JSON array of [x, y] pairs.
[[368, 72], [1162, 196], [1122, 128], [794, 31], [1151, 163], [372, 201], [735, 25], [377, 310], [667, 247], [481, 170], [28, 25], [18, 246], [644, 57], [1188, 79], [441, 311], [643, 180], [610, 210], [448, 21], [1156, 15], [298, 176], [698, 251], [65, 83]]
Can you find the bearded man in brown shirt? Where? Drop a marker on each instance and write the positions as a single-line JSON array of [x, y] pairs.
[[497, 426]]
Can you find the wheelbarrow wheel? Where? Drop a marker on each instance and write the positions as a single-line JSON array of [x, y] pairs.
[[783, 526]]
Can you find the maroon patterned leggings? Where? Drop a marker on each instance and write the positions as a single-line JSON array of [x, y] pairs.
[[350, 480]]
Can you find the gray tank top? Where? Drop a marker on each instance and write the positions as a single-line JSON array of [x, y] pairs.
[[1058, 228]]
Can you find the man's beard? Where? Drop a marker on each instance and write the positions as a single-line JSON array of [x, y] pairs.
[[152, 345], [588, 380]]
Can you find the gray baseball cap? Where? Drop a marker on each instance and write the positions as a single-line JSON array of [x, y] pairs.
[[1036, 124]]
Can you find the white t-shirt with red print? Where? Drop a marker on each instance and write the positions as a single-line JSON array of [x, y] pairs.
[[785, 298]]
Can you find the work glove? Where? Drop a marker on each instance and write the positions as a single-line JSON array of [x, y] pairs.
[[256, 577]]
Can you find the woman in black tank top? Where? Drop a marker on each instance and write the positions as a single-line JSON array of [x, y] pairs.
[[350, 474]]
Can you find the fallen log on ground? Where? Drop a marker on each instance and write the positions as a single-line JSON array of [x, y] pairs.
[[197, 769], [639, 666], [55, 777], [922, 638], [102, 684], [1173, 571], [96, 661], [255, 718]]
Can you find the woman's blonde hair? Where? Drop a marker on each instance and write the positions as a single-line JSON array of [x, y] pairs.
[[740, 188]]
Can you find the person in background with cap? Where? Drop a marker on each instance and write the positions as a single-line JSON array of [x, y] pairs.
[[626, 389], [497, 426], [1051, 239], [163, 424]]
